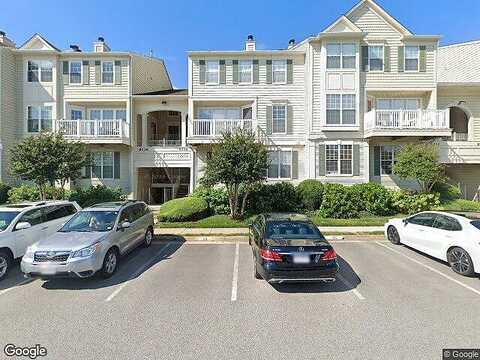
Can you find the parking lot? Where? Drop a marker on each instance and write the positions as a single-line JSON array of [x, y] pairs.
[[192, 300]]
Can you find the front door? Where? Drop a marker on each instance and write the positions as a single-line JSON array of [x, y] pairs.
[[162, 194]]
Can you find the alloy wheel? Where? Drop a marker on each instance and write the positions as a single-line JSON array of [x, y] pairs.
[[111, 262], [148, 237], [3, 266], [393, 236], [459, 261]]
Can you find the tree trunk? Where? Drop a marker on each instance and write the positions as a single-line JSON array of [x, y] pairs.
[[244, 202]]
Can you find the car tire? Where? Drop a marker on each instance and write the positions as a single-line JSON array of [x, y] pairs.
[[460, 261], [393, 236], [148, 238], [256, 274], [109, 263], [5, 263]]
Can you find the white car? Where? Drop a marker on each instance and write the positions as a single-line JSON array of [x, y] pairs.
[[454, 238], [21, 225]]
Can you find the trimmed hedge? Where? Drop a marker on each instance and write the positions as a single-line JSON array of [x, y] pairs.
[[216, 198], [183, 209], [340, 202], [26, 192], [277, 197], [407, 202], [97, 194], [310, 193], [374, 199]]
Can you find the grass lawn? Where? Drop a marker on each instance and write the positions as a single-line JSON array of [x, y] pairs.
[[460, 205]]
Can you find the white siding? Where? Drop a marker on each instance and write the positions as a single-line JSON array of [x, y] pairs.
[[459, 63], [148, 74]]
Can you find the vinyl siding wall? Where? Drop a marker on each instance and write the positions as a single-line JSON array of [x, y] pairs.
[[148, 75]]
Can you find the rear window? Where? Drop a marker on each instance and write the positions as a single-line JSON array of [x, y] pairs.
[[476, 223], [292, 230]]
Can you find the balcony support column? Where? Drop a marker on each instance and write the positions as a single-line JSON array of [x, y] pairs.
[[145, 129], [183, 129]]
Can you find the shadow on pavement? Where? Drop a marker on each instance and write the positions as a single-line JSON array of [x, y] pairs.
[[14, 276]]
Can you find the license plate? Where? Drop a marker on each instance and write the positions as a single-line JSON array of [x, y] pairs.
[[301, 259], [48, 271]]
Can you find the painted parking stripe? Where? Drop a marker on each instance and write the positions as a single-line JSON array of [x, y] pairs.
[[235, 273], [430, 268], [24, 282], [348, 284]]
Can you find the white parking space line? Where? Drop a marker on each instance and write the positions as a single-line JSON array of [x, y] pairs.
[[235, 272], [136, 274], [348, 284], [24, 282], [430, 268]]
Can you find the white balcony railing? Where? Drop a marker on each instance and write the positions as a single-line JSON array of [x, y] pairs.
[[92, 128], [215, 127], [156, 141], [407, 119]]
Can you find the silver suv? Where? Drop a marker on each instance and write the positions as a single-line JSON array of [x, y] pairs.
[[91, 241]]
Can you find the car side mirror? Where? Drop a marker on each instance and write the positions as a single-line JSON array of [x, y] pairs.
[[405, 221], [23, 225], [125, 225]]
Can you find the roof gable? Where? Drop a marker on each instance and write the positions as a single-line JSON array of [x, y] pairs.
[[38, 42], [342, 25]]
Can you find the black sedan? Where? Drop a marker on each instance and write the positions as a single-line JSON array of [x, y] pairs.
[[290, 248]]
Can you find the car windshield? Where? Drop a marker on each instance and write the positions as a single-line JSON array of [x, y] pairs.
[[476, 223], [91, 221], [6, 218], [285, 230]]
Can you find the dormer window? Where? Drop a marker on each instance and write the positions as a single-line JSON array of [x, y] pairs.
[[212, 72], [107, 72], [39, 71], [75, 72]]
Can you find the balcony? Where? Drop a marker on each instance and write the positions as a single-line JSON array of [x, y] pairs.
[[94, 131], [206, 129], [159, 157], [407, 123]]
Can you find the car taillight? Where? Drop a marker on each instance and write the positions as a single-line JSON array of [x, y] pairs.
[[269, 255], [329, 255]]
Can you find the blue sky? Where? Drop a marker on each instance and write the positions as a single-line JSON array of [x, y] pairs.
[[170, 28]]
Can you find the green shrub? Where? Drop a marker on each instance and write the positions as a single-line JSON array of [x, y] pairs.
[[375, 199], [97, 194], [460, 205], [4, 189], [277, 197], [183, 209], [407, 202], [22, 193], [216, 198], [448, 192], [310, 193], [340, 202]]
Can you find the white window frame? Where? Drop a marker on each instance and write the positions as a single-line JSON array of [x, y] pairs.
[[339, 158], [39, 119], [383, 57], [249, 71], [283, 62], [40, 64], [279, 154], [341, 55], [70, 72], [217, 72], [419, 101], [405, 58], [341, 124], [102, 165], [395, 150], [284, 105], [113, 72], [106, 109], [219, 108]]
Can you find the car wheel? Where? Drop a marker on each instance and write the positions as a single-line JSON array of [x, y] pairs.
[[460, 261], [393, 236], [109, 263], [5, 261], [256, 274], [148, 238]]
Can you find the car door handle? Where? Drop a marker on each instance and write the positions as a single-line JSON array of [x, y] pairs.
[[44, 228]]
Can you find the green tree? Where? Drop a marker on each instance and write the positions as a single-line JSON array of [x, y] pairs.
[[238, 161], [419, 162], [48, 158]]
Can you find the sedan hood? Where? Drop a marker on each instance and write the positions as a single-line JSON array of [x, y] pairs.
[[68, 241]]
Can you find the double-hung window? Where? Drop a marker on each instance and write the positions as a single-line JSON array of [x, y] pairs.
[[279, 119], [39, 118], [212, 72], [341, 56], [339, 159], [245, 68], [375, 58], [39, 71], [341, 109], [411, 58], [75, 72], [107, 72], [279, 164], [102, 165], [279, 71], [387, 159]]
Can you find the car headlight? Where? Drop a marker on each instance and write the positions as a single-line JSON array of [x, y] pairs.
[[29, 252], [88, 251]]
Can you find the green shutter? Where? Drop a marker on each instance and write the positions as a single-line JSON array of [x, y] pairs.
[[423, 58], [98, 72], [321, 160], [116, 165], [269, 119], [294, 164], [202, 69], [356, 160], [223, 72], [66, 74], [255, 72], [401, 59], [289, 71], [289, 119], [269, 71], [364, 58], [376, 161], [235, 71], [86, 72], [386, 58], [118, 72]]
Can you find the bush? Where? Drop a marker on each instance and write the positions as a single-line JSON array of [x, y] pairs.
[[183, 209], [460, 205], [310, 193], [97, 194], [407, 202], [22, 193], [448, 192], [4, 189], [277, 197], [375, 199], [340, 202], [216, 198]]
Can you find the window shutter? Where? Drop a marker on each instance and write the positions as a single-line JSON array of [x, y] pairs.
[[386, 58], [235, 71], [255, 72], [269, 71], [98, 72], [364, 58], [65, 73], [269, 120], [202, 69], [223, 74], [376, 161], [118, 72], [289, 71], [294, 164], [356, 160], [423, 58], [116, 165], [86, 72], [401, 58], [289, 119], [321, 160]]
